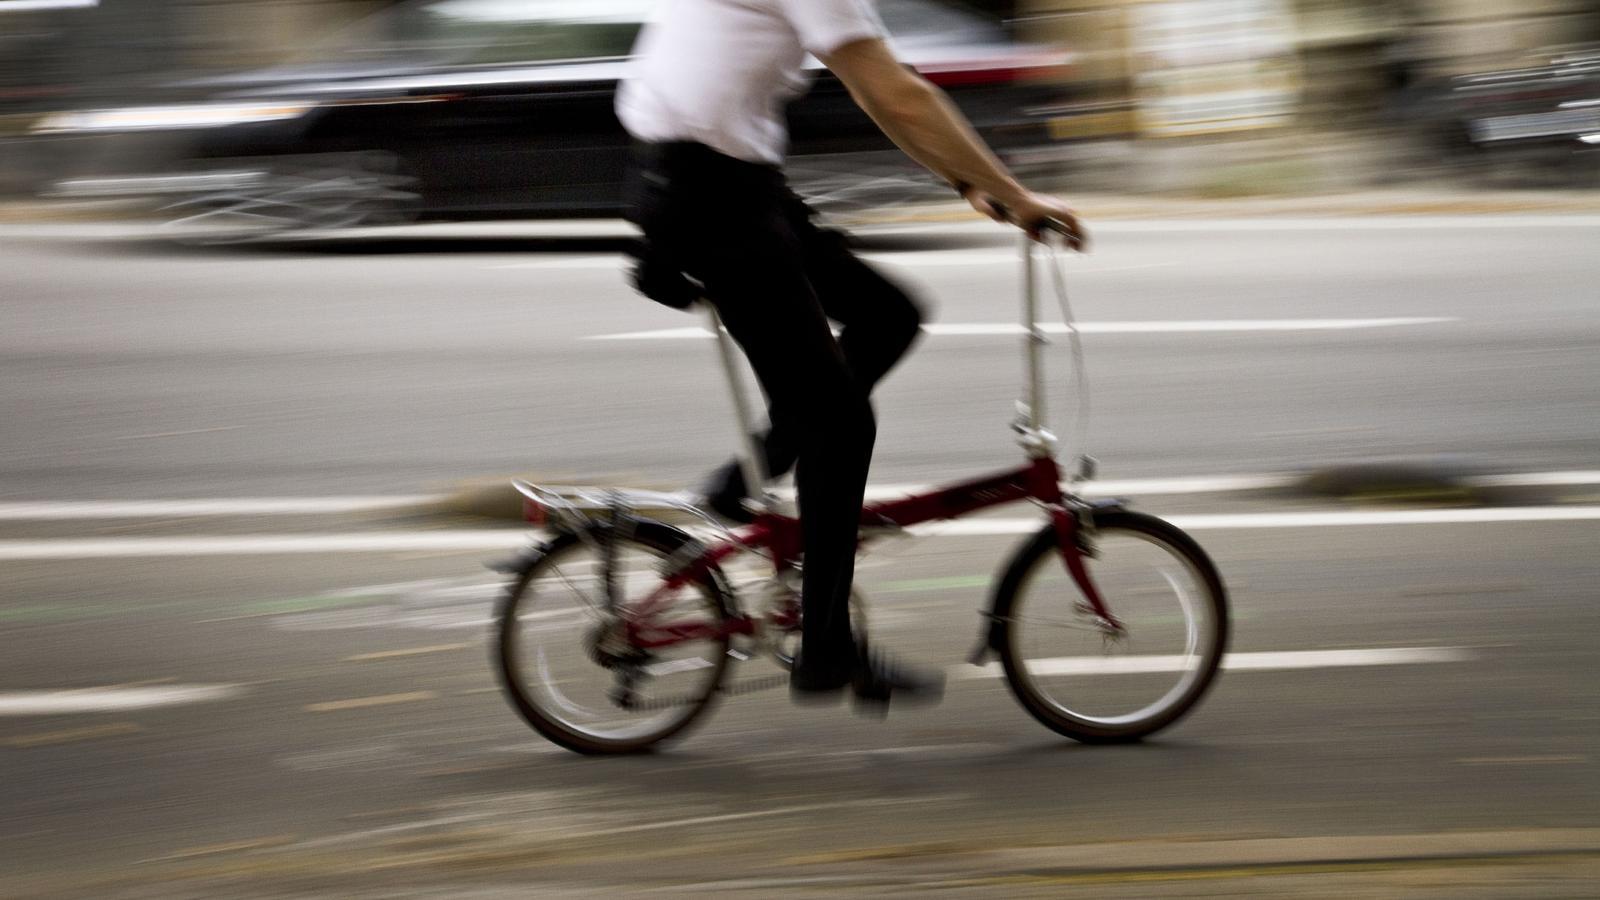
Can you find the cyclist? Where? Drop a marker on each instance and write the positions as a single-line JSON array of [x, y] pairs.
[[704, 100]]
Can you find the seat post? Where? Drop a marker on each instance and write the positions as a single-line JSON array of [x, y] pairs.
[[752, 461]]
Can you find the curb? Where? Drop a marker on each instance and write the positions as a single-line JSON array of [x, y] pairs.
[[1092, 206], [41, 211]]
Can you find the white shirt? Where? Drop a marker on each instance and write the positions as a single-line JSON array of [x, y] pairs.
[[721, 71]]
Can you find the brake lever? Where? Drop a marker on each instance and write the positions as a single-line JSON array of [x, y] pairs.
[[1048, 223]]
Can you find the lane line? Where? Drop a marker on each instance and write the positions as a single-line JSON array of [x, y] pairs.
[[110, 699], [959, 258], [910, 259], [1537, 479], [70, 735], [1204, 484], [1001, 329], [1334, 519], [502, 539], [68, 510], [409, 651], [65, 510], [1393, 222], [263, 545], [599, 261], [1269, 661], [365, 702]]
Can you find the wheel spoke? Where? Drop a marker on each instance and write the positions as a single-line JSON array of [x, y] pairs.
[[577, 676], [1093, 685]]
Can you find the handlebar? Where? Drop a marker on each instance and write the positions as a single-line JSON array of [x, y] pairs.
[[1056, 225], [1047, 224]]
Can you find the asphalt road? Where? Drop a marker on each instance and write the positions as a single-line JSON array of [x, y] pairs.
[[137, 371], [255, 720]]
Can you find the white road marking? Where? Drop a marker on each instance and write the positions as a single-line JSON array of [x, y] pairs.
[[1002, 329], [504, 539], [693, 332], [957, 258], [676, 666], [110, 699], [64, 510], [602, 262], [67, 510], [910, 258], [1331, 519], [1397, 222], [1537, 479], [264, 544], [1286, 659], [1127, 487]]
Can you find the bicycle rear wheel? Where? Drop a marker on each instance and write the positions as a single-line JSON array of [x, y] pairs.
[[1089, 684], [564, 657]]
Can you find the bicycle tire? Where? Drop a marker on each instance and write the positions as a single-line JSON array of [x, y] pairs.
[[1010, 601], [658, 539]]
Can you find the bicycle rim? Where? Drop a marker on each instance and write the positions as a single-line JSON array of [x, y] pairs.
[[574, 676], [1093, 685]]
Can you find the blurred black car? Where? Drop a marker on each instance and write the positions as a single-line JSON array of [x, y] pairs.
[[1536, 123], [456, 109]]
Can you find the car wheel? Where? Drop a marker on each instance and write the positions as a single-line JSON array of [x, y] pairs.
[[297, 194]]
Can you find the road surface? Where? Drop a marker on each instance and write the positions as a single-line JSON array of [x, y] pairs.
[[287, 693]]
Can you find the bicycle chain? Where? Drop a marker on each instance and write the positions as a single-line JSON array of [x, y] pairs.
[[748, 686]]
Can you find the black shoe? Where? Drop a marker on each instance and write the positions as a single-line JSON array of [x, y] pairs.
[[724, 493], [878, 677], [872, 677], [823, 682]]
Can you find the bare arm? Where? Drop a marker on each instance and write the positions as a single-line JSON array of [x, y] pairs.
[[922, 121]]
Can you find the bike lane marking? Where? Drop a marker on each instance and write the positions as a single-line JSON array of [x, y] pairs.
[[1307, 519], [512, 538], [1261, 661], [71, 510]]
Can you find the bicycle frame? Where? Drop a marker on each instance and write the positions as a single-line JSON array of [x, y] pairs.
[[780, 538]]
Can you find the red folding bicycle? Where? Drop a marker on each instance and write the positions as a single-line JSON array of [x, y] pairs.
[[618, 631]]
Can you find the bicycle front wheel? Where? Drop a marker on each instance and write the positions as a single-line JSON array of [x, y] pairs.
[[564, 654], [1098, 686]]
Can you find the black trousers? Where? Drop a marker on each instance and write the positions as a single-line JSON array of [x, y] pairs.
[[777, 279]]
